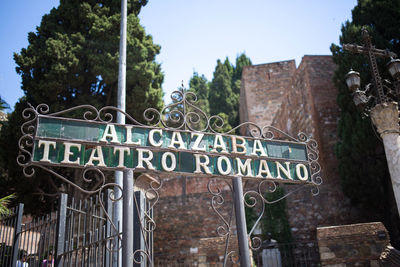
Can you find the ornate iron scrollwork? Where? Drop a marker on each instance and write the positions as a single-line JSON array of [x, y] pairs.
[[181, 114]]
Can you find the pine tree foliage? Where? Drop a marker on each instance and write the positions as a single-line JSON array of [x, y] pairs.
[[362, 163], [199, 85], [220, 96], [3, 104], [72, 59], [276, 220]]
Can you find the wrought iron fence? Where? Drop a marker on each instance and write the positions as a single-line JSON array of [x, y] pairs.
[[296, 254], [10, 224], [78, 234], [88, 239], [301, 254], [32, 242]]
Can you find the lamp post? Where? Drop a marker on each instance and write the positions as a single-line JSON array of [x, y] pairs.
[[379, 100]]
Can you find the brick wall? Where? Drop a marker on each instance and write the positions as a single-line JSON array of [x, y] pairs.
[[263, 88], [187, 225], [293, 100], [308, 105]]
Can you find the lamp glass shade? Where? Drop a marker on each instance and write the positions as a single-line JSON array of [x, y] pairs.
[[394, 68], [353, 80]]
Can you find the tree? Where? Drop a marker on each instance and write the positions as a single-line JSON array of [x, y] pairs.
[[4, 202], [362, 163], [200, 86], [72, 59], [3, 104], [276, 220], [221, 95]]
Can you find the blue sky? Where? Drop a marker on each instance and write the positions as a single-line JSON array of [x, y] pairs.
[[194, 34]]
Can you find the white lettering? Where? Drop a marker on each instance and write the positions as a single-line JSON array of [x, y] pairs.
[[68, 153], [121, 158], [228, 165], [46, 149], [286, 171], [200, 164], [177, 139], [219, 143], [235, 145], [300, 167], [129, 136], [257, 147], [197, 141], [151, 137], [98, 158], [243, 167], [263, 169], [164, 161], [110, 132], [142, 159]]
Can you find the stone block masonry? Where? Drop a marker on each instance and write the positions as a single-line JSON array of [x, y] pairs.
[[186, 232], [294, 100], [263, 90], [302, 100], [352, 245]]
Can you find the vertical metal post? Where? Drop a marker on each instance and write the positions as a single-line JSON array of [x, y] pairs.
[[17, 233], [139, 239], [243, 241], [120, 117], [109, 231], [60, 230], [127, 224]]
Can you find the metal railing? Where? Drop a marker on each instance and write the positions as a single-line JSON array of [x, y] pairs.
[[301, 254], [78, 234], [10, 225]]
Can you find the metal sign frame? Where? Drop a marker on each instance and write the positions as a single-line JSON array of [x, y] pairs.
[[182, 116]]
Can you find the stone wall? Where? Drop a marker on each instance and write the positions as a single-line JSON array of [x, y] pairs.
[[308, 105], [352, 245], [293, 100], [187, 225], [263, 88]]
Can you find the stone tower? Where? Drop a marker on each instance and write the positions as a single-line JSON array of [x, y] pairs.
[[292, 99], [297, 100]]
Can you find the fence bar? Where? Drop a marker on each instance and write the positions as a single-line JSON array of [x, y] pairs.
[[17, 234], [139, 240], [60, 231], [127, 223], [109, 210], [241, 222]]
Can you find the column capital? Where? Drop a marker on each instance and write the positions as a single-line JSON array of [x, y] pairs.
[[385, 117]]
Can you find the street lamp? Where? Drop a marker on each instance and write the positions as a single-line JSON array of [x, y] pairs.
[[353, 80], [379, 100], [394, 68]]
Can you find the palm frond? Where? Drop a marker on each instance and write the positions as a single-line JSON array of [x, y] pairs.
[[4, 202]]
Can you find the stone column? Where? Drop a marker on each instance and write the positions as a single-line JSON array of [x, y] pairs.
[[386, 119]]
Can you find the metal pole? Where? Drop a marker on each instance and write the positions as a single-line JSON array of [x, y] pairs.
[[127, 224], [121, 106], [243, 241], [60, 230], [17, 234]]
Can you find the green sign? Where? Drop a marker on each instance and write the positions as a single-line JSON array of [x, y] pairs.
[[79, 143]]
